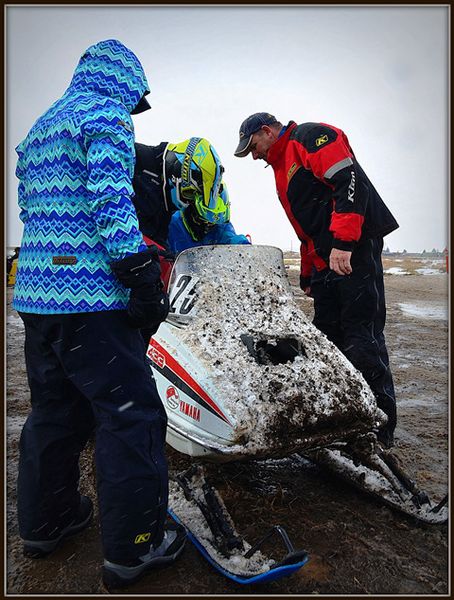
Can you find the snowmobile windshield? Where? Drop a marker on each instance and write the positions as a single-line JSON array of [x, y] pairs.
[[208, 265]]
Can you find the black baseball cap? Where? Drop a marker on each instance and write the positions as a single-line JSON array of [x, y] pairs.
[[250, 126]]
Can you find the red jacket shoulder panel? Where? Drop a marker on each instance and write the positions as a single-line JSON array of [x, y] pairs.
[[321, 148]]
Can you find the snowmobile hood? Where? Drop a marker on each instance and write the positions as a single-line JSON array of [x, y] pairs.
[[240, 365], [110, 69]]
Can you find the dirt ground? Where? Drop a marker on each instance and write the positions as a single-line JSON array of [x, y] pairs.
[[356, 546]]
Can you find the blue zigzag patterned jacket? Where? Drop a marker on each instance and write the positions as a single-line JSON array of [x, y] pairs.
[[75, 169]]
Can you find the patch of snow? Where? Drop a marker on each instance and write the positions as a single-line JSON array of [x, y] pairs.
[[15, 321], [14, 424], [396, 271], [427, 271], [435, 261], [421, 401], [425, 311]]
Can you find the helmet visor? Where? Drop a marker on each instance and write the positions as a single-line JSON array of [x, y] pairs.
[[212, 178], [219, 211]]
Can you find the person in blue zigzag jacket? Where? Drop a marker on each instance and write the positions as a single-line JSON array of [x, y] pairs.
[[86, 284]]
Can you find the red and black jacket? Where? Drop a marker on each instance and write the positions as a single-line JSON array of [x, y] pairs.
[[325, 193]]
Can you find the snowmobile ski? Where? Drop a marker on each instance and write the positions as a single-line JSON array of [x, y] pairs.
[[378, 472], [194, 503]]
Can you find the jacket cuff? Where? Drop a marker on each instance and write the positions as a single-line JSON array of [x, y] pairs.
[[305, 282], [341, 245], [138, 269]]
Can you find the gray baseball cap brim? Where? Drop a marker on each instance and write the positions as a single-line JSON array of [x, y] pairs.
[[243, 147], [250, 126]]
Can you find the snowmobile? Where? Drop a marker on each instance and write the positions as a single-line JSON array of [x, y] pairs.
[[244, 374]]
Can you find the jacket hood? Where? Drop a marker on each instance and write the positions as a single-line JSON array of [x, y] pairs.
[[111, 69]]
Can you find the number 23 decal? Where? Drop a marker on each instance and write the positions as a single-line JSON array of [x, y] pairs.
[[182, 298]]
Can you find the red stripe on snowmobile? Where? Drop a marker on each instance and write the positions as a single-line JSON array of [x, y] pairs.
[[162, 359]]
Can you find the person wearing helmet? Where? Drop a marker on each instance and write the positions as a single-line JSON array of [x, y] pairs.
[[193, 182], [180, 197], [188, 228]]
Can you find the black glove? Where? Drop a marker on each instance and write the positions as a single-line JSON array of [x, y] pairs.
[[148, 304], [167, 254]]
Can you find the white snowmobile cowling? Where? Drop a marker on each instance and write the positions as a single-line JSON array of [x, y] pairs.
[[241, 370]]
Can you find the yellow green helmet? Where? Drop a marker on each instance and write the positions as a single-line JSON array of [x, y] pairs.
[[219, 212], [193, 175]]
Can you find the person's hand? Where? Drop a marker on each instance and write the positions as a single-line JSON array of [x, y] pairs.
[[339, 261], [305, 284]]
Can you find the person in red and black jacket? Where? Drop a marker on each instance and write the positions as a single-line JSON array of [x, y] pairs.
[[340, 220]]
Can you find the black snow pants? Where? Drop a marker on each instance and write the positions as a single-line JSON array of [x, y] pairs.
[[87, 372], [351, 311]]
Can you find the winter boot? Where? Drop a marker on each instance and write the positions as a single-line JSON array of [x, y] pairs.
[[120, 575], [42, 548]]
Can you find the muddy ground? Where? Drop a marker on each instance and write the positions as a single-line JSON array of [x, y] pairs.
[[356, 546]]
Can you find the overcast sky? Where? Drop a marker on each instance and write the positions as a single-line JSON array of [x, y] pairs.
[[378, 73]]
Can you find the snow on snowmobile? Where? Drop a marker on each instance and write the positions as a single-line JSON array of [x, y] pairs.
[[244, 374]]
